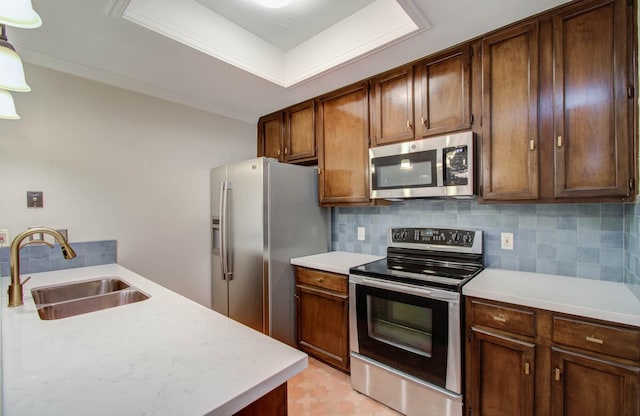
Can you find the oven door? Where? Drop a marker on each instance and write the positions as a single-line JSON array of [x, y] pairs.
[[413, 329]]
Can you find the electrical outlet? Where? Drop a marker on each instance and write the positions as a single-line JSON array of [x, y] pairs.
[[361, 233], [4, 238], [36, 236], [506, 240]]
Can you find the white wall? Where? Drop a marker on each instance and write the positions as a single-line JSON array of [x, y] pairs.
[[118, 165]]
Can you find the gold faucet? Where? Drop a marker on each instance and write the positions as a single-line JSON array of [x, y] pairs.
[[15, 288]]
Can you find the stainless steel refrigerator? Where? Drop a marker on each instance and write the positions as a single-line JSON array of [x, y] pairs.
[[263, 213]]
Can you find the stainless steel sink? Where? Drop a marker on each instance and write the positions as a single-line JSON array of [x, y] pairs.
[[64, 292], [65, 300]]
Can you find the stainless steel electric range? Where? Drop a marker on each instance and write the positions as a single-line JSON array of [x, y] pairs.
[[405, 320]]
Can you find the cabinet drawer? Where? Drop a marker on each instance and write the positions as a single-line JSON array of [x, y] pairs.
[[322, 279], [507, 318], [605, 339]]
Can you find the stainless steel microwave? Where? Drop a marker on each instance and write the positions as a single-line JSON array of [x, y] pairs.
[[440, 166]]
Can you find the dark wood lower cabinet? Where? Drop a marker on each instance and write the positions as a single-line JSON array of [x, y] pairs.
[[502, 373], [586, 386], [273, 403], [523, 361], [323, 316]]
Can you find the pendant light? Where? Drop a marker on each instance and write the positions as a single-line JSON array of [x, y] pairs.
[[19, 13], [7, 106], [11, 70]]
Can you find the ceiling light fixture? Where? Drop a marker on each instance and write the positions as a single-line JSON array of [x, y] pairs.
[[273, 4], [19, 13], [7, 106], [11, 70]]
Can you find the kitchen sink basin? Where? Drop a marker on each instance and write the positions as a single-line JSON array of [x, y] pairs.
[[70, 291], [71, 299]]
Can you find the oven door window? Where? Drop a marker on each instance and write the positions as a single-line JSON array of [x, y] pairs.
[[405, 332], [411, 170]]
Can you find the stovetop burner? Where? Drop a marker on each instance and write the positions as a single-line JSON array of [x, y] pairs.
[[443, 258]]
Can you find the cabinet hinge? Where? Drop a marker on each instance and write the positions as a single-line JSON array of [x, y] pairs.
[[630, 91], [632, 184], [471, 119]]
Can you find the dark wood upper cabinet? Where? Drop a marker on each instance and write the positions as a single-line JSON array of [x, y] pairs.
[[509, 65], [554, 99], [343, 146], [271, 136], [557, 107], [300, 133], [443, 92], [591, 117], [392, 107]]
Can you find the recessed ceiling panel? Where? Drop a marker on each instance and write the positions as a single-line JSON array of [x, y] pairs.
[[351, 36], [288, 26]]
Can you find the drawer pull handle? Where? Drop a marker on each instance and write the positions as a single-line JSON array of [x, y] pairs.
[[527, 369], [319, 279], [594, 340], [556, 374], [500, 318]]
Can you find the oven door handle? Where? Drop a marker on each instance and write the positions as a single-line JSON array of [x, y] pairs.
[[422, 292]]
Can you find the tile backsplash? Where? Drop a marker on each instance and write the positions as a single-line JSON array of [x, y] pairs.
[[632, 248], [582, 240], [41, 258]]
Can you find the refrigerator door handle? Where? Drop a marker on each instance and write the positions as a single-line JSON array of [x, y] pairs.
[[223, 229]]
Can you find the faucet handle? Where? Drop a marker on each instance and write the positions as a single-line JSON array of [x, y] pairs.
[[25, 280]]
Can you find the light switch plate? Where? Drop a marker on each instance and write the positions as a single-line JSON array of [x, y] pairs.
[[34, 199], [361, 234]]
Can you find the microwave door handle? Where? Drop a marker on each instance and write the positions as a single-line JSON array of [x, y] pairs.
[[440, 167]]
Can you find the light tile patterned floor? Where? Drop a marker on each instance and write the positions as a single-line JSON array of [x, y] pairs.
[[321, 390]]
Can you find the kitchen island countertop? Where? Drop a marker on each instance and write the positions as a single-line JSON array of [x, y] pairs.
[[166, 355], [334, 261]]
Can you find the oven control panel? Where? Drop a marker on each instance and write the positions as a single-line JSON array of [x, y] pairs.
[[433, 236]]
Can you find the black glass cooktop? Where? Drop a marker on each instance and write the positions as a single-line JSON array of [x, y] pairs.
[[442, 271]]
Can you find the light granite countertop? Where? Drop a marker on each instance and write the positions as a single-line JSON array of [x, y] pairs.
[[166, 355], [609, 301], [334, 261]]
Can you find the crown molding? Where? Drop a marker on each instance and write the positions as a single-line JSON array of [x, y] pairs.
[[114, 80]]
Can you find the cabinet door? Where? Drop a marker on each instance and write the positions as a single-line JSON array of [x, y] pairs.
[[502, 375], [343, 147], [392, 107], [270, 136], [592, 136], [323, 325], [510, 115], [443, 93], [300, 143], [584, 386]]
